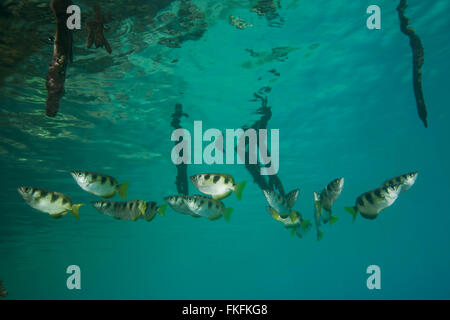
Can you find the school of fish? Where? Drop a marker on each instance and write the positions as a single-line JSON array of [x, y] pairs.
[[217, 186]]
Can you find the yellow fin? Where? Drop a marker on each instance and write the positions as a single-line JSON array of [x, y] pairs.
[[143, 208], [162, 209], [274, 213], [122, 190], [352, 211], [238, 189], [74, 210]]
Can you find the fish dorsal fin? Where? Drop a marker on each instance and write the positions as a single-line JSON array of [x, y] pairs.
[[291, 197]]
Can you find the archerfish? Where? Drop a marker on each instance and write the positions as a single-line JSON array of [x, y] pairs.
[[100, 184], [405, 181], [326, 199], [178, 204], [130, 210], [217, 185], [294, 222], [283, 205], [207, 207], [370, 203], [56, 204]]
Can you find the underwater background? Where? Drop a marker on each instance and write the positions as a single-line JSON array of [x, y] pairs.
[[341, 95]]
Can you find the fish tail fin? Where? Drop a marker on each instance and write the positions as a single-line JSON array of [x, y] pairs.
[[162, 210], [75, 209], [333, 219], [352, 211], [122, 190], [319, 235], [305, 225], [228, 212], [238, 189]]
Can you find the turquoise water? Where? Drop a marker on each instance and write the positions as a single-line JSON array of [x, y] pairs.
[[344, 105]]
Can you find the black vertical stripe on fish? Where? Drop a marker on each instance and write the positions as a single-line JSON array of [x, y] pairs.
[[216, 179], [64, 201], [103, 179], [226, 180], [378, 193], [35, 193], [369, 198], [360, 201], [206, 176], [53, 197], [210, 204]]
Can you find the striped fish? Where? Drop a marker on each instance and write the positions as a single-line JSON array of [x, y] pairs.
[[370, 204], [152, 209], [405, 181], [296, 224], [99, 184], [218, 185], [207, 207], [177, 204], [282, 205], [327, 197], [56, 204], [129, 210]]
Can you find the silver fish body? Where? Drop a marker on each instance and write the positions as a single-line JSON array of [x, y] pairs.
[[99, 184], [217, 185], [178, 204], [207, 207], [330, 193], [129, 210], [152, 209], [53, 203], [370, 203], [283, 205], [294, 222], [404, 181]]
